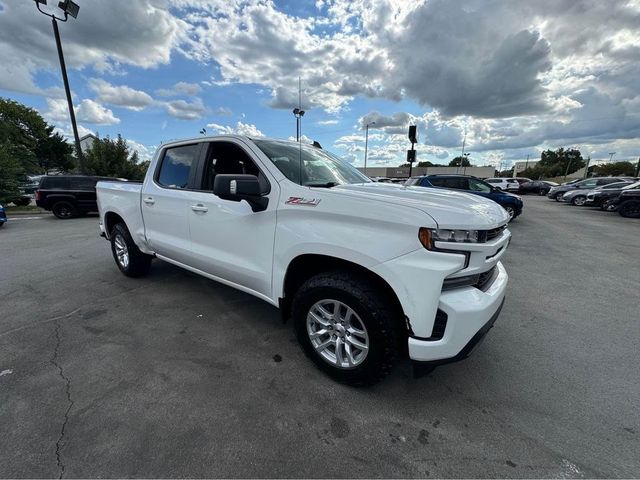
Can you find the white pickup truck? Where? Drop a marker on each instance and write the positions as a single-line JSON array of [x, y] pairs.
[[367, 271]]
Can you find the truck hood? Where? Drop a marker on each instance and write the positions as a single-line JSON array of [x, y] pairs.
[[448, 208]]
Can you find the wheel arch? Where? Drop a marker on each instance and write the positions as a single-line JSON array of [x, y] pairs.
[[110, 220], [305, 266]]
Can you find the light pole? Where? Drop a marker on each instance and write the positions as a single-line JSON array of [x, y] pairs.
[[526, 165], [366, 144], [69, 8], [611, 154], [465, 156], [298, 113]]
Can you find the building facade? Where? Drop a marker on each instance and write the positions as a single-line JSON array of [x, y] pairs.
[[401, 172]]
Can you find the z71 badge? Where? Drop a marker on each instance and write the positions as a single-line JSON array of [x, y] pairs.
[[308, 202]]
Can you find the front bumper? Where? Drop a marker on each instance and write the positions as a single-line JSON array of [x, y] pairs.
[[417, 279], [470, 314]]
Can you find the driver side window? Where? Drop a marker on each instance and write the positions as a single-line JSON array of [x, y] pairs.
[[229, 158]]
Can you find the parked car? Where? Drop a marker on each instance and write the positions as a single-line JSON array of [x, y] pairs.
[[506, 184], [366, 270], [540, 187], [3, 216], [68, 196], [627, 204], [511, 203], [579, 197], [601, 197], [556, 193], [381, 179]]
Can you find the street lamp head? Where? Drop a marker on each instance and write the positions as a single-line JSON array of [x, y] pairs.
[[69, 8]]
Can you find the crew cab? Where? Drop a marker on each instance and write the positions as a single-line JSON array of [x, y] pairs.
[[367, 271]]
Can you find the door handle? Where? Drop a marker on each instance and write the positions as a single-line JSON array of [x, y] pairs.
[[149, 201], [199, 208]]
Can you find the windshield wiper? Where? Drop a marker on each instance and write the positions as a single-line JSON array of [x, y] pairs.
[[322, 185]]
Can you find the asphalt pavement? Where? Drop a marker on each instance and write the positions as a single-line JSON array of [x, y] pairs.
[[174, 375]]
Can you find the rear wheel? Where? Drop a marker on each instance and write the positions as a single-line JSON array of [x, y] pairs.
[[347, 326], [579, 200], [630, 209], [608, 206], [542, 192], [64, 210], [130, 260]]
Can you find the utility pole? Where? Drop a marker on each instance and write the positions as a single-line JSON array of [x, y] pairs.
[[464, 139], [366, 144], [69, 8], [526, 165], [586, 167], [638, 168]]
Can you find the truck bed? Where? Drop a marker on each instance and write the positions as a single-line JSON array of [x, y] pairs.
[[123, 199]]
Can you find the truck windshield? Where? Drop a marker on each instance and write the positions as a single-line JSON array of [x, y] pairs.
[[308, 165]]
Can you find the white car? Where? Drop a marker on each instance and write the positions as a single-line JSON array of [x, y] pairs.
[[506, 184], [366, 270]]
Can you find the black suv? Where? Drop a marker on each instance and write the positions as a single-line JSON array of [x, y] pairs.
[[68, 196], [627, 203]]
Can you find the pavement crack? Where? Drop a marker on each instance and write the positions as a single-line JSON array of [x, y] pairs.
[[70, 402]]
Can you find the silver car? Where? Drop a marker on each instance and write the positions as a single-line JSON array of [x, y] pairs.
[[579, 197]]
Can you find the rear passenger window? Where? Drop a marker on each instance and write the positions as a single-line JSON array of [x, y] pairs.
[[176, 165], [55, 183], [83, 183]]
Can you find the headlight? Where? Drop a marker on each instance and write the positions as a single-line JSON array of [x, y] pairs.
[[428, 236]]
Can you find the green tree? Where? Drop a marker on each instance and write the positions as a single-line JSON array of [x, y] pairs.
[[614, 169], [53, 152], [111, 158], [460, 162], [21, 130], [12, 175], [29, 140], [556, 163]]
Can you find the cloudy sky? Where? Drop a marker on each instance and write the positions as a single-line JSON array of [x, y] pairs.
[[516, 76]]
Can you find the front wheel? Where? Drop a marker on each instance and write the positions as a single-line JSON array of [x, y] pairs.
[[347, 326], [630, 209], [558, 196], [130, 260], [579, 200], [510, 211]]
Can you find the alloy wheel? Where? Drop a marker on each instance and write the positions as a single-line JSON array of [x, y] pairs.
[[337, 334]]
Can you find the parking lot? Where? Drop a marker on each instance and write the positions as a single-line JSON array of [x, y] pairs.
[[174, 375]]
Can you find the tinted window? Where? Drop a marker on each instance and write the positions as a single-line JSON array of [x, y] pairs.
[[478, 186], [493, 180], [229, 158], [55, 183], [83, 183], [176, 165], [607, 181], [451, 182], [587, 183]]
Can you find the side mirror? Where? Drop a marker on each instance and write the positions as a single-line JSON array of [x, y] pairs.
[[240, 187]]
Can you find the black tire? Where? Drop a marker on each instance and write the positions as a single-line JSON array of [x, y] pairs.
[[137, 264], [375, 311], [607, 206], [542, 193], [2, 224], [64, 210], [558, 196], [579, 200], [629, 209]]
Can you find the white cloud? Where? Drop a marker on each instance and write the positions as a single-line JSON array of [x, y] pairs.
[[186, 110], [87, 111], [180, 89], [239, 129], [122, 95]]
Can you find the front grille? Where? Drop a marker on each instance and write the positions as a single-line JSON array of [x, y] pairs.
[[488, 235], [486, 279]]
